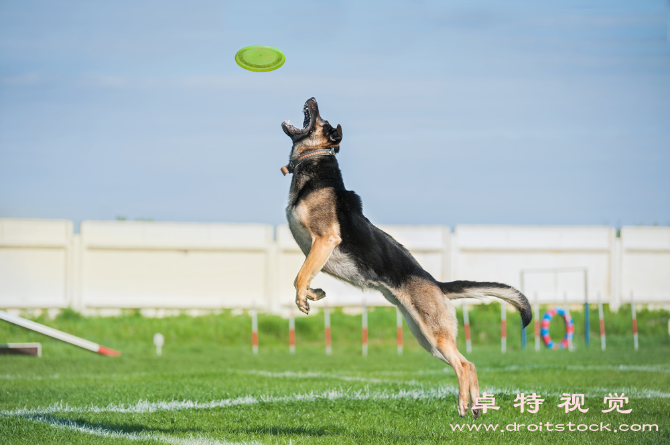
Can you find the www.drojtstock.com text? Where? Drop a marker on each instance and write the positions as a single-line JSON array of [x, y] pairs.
[[546, 426]]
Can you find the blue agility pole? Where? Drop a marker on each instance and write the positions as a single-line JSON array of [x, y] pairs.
[[587, 321]]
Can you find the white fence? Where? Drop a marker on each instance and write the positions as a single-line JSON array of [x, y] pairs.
[[123, 264]]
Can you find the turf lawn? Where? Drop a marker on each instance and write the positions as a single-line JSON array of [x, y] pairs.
[[207, 391]]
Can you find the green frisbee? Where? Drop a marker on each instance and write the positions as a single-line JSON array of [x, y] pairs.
[[260, 58]]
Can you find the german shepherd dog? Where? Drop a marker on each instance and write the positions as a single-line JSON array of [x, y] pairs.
[[327, 222]]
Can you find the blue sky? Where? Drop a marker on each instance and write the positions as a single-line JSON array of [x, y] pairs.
[[452, 112]]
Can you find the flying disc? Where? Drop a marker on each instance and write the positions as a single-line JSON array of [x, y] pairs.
[[260, 58]]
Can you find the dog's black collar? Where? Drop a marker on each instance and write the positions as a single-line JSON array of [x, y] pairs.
[[294, 163]]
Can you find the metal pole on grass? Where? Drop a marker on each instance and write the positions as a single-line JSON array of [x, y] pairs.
[[398, 324], [466, 325], [632, 307], [537, 322], [601, 319], [587, 320], [568, 318], [254, 330], [291, 332], [326, 322], [503, 327], [364, 333], [523, 328]]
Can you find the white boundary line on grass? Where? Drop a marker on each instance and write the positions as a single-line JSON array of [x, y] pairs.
[[664, 369], [75, 376], [634, 368], [63, 424], [323, 375], [144, 406], [633, 392]]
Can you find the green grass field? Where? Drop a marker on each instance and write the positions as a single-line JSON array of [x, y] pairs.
[[209, 388]]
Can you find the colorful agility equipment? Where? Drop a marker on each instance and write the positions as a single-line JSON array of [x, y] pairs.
[[34, 349], [466, 325], [364, 333], [254, 330], [601, 318], [291, 332], [569, 328], [632, 307], [326, 324], [398, 326], [58, 335], [503, 327], [537, 322]]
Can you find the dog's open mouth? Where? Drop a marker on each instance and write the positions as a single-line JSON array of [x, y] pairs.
[[292, 130], [305, 124]]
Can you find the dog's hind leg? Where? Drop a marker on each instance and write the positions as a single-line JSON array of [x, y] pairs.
[[433, 322], [447, 347], [474, 387], [441, 343]]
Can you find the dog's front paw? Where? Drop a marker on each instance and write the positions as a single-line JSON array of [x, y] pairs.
[[302, 304], [315, 294]]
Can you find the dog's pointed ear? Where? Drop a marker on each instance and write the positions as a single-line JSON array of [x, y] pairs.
[[336, 134]]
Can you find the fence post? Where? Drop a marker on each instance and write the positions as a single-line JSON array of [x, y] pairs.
[[466, 325], [503, 327], [587, 320], [364, 334], [601, 319], [569, 317], [326, 320], [523, 328], [632, 307], [291, 332], [398, 323], [254, 329], [537, 322]]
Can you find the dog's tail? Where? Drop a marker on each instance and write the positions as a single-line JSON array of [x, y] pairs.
[[479, 289]]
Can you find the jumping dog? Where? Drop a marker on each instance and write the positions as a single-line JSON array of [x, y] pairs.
[[327, 222]]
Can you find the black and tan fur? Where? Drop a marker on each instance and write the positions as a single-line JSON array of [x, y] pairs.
[[327, 222]]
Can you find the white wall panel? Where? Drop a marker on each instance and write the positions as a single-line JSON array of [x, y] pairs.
[[34, 263], [174, 265], [194, 265], [645, 264]]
